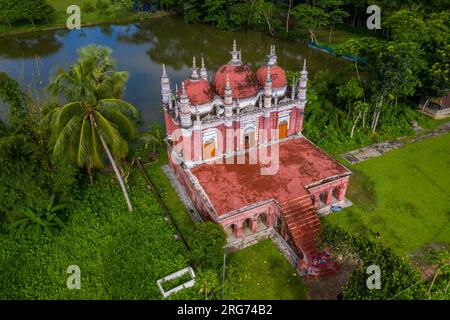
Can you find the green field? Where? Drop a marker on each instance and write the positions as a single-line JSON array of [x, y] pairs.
[[403, 195], [262, 272]]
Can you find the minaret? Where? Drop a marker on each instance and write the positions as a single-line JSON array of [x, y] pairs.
[[302, 86], [170, 100], [177, 109], [165, 86], [185, 110], [293, 89], [235, 55], [272, 57], [203, 71], [268, 90], [228, 98], [194, 75]]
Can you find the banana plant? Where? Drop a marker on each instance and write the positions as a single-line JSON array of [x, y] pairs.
[[43, 222]]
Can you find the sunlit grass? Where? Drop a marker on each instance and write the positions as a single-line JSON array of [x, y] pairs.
[[403, 195]]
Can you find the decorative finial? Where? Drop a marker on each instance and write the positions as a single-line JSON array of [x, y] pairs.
[[194, 69], [183, 89], [235, 55], [228, 81], [304, 64], [268, 79], [164, 73], [203, 72]]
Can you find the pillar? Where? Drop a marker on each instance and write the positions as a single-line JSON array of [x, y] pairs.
[[238, 230], [329, 198], [254, 225]]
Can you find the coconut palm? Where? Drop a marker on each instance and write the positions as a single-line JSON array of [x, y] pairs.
[[93, 119]]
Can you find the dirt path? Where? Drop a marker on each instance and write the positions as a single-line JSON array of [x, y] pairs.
[[376, 150]]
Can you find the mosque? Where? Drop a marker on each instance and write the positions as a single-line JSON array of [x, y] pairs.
[[235, 145]]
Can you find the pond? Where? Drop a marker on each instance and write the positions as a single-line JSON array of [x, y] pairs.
[[141, 49]]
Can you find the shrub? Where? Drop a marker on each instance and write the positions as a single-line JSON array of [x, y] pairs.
[[207, 245], [88, 7], [102, 4], [398, 278]]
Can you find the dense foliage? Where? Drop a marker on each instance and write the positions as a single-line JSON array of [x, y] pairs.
[[29, 176], [207, 245], [120, 255], [398, 279], [16, 12]]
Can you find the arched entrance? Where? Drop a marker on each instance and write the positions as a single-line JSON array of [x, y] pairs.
[[247, 227], [249, 138], [231, 231]]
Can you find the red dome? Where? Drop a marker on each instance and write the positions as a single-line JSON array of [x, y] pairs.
[[198, 91], [276, 74], [242, 80]]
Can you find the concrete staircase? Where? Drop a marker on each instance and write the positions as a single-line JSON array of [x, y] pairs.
[[304, 226]]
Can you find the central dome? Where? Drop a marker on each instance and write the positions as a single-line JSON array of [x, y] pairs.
[[242, 80]]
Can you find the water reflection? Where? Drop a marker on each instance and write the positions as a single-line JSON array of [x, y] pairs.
[[31, 45], [141, 48]]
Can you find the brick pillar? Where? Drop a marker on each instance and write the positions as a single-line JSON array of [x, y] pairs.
[[329, 199], [254, 225], [342, 191], [316, 200], [239, 230]]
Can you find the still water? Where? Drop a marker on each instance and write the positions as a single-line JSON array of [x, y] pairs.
[[142, 48]]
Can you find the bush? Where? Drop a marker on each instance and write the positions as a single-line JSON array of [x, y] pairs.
[[102, 4], [207, 245], [88, 7], [398, 278]]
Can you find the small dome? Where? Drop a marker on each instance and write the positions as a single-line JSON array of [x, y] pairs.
[[277, 75], [243, 81], [198, 91]]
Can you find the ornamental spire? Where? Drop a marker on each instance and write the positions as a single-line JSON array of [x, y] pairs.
[[164, 73], [272, 57], [268, 78], [203, 71], [183, 90], [194, 69], [235, 55]]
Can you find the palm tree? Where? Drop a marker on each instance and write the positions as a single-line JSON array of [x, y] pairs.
[[45, 221], [153, 135], [93, 119]]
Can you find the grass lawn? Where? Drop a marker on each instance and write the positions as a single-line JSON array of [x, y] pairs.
[[403, 195], [261, 272]]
